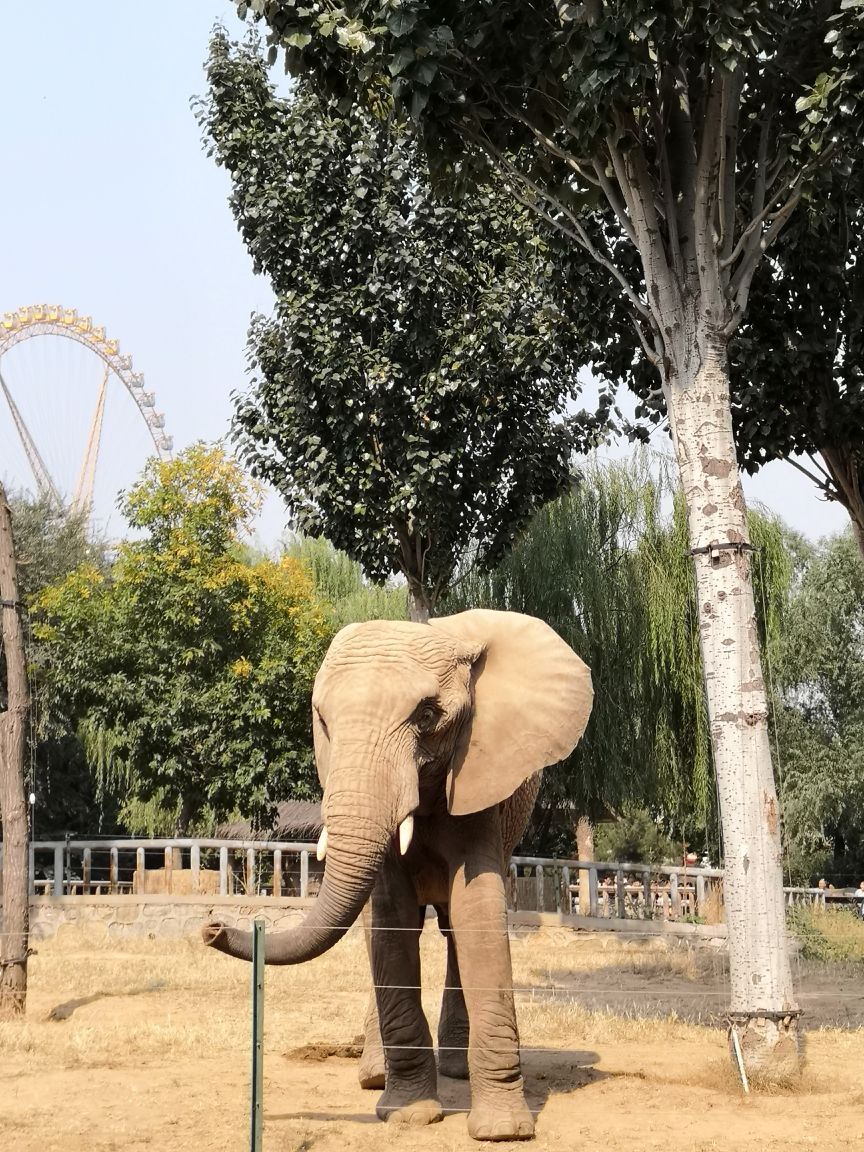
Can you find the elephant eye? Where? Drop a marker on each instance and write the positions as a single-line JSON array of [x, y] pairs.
[[320, 720], [427, 717]]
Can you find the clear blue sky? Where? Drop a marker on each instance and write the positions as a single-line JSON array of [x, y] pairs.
[[109, 205]]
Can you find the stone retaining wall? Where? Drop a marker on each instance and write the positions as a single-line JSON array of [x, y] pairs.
[[157, 916], [164, 916]]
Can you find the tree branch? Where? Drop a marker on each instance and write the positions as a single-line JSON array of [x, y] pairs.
[[575, 231], [730, 97], [666, 90], [616, 203], [825, 484], [707, 187], [639, 196]]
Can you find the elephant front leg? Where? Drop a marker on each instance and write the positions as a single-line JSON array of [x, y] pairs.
[[453, 1030], [411, 1087], [478, 914]]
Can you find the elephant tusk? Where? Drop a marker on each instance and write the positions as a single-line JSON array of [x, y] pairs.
[[321, 850], [406, 831]]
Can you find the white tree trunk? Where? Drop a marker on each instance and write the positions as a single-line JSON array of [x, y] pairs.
[[763, 1007], [584, 851], [418, 609]]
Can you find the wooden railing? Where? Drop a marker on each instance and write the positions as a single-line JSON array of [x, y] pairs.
[[616, 890], [173, 866], [244, 868]]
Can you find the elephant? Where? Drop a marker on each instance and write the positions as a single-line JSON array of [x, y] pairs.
[[429, 739]]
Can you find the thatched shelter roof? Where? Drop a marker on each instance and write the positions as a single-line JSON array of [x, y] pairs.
[[295, 820]]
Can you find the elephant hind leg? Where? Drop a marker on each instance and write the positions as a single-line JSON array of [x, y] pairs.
[[371, 1072], [453, 1028]]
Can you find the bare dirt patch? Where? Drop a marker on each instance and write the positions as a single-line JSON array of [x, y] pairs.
[[148, 1048]]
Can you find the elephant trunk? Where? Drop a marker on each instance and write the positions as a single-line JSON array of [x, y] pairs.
[[356, 845]]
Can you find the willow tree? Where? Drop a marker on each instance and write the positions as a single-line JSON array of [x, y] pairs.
[[607, 567], [408, 394], [339, 582], [678, 127]]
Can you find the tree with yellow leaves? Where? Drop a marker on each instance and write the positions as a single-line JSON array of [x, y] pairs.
[[187, 668]]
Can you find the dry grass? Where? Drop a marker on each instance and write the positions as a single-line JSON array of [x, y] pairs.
[[840, 932], [181, 997], [151, 1052]]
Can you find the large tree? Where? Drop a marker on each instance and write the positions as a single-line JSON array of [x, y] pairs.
[[51, 540], [681, 122], [188, 669], [408, 398], [14, 716], [798, 360]]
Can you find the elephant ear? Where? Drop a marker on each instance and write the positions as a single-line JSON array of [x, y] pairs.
[[532, 700]]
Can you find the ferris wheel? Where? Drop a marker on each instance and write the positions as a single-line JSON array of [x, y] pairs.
[[50, 428]]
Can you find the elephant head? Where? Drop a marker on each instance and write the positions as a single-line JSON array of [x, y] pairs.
[[471, 705]]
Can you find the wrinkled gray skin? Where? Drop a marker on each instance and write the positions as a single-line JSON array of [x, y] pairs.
[[514, 814], [390, 705]]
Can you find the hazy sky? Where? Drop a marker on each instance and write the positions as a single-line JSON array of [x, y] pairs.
[[110, 206]]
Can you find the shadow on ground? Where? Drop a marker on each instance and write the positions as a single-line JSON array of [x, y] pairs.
[[546, 1073], [64, 1011]]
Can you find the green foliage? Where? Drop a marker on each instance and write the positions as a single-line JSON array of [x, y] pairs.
[[830, 936], [635, 837], [602, 104], [593, 565], [408, 397], [339, 582], [608, 567], [188, 670], [50, 541], [797, 361], [819, 673], [661, 141]]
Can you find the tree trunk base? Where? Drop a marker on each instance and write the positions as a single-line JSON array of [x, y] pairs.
[[13, 993], [770, 1047]]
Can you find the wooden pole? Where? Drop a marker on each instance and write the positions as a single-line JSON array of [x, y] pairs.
[[13, 806], [257, 1110]]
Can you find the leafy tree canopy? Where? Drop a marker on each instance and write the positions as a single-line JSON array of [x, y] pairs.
[[820, 675], [188, 670], [409, 394], [797, 360], [646, 112]]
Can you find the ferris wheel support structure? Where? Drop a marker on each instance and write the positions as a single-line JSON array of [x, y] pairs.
[[40, 473], [55, 320]]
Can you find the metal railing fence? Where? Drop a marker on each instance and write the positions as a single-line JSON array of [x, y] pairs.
[[289, 869]]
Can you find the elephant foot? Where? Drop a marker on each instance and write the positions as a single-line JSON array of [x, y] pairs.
[[371, 1072], [453, 1062], [488, 1122], [397, 1107]]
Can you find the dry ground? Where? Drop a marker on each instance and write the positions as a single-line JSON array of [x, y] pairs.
[[149, 1049]]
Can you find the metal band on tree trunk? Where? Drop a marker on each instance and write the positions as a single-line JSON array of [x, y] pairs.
[[763, 1014]]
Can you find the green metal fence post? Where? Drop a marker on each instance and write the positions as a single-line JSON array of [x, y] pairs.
[[257, 1117]]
